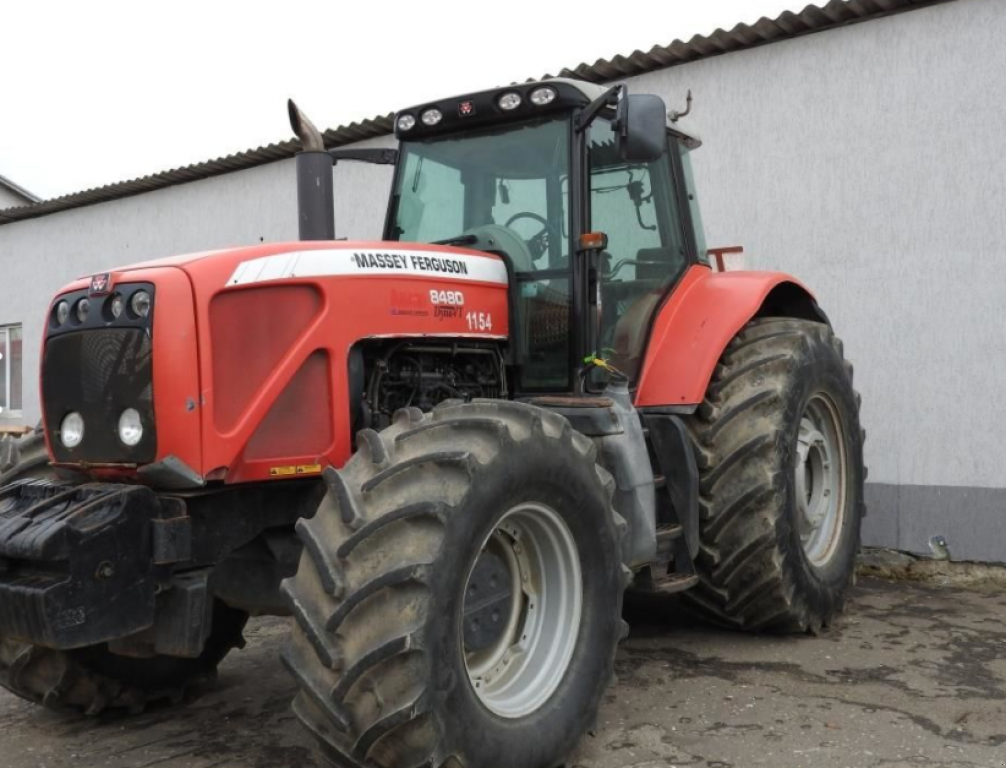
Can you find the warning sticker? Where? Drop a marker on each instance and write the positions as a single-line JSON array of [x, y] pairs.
[[298, 469]]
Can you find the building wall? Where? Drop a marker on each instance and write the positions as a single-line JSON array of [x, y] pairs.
[[865, 160], [869, 162]]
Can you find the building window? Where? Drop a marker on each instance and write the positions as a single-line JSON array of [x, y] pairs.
[[10, 370]]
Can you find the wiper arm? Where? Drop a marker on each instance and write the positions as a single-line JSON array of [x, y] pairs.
[[459, 240]]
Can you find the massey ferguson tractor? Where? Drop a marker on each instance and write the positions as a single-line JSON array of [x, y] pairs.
[[446, 454]]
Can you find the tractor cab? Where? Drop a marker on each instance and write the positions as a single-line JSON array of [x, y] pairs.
[[584, 190]]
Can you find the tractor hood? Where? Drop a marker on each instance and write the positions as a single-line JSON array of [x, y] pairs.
[[245, 352]]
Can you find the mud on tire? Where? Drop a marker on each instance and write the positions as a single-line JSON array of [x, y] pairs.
[[377, 648], [756, 573], [90, 680]]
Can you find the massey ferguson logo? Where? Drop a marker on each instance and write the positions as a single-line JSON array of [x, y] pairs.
[[100, 284]]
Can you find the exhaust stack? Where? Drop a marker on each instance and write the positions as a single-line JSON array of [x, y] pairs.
[[315, 194]]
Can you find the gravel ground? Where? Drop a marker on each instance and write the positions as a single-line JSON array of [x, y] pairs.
[[913, 676]]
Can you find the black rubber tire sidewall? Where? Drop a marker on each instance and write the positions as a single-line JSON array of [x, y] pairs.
[[822, 371], [571, 488]]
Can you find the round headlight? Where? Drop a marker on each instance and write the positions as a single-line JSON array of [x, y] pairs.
[[115, 306], [509, 101], [62, 312], [71, 431], [405, 122], [130, 427], [83, 306], [140, 303], [432, 116], [542, 96]]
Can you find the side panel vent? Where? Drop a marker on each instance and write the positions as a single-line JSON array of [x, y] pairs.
[[251, 331], [300, 421]]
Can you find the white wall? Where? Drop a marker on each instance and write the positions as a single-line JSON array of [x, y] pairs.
[[869, 162]]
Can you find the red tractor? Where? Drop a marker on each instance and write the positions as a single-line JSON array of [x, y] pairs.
[[447, 454]]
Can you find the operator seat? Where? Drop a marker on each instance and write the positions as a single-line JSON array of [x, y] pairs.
[[635, 302]]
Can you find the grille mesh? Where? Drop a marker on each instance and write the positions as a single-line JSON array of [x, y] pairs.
[[99, 374]]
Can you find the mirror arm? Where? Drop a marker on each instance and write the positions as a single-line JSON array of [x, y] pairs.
[[607, 99]]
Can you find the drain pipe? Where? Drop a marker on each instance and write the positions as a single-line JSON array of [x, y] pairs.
[[315, 194]]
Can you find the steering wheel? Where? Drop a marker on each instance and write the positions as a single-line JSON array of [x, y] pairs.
[[537, 243]]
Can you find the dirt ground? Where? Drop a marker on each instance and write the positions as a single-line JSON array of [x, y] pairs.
[[912, 677]]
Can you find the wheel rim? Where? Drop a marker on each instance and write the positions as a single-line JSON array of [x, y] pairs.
[[820, 480], [527, 586]]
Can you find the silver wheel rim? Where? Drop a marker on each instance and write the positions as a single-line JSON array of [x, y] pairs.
[[820, 480], [522, 668]]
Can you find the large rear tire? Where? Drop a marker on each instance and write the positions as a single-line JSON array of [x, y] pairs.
[[93, 679], [409, 552], [780, 454]]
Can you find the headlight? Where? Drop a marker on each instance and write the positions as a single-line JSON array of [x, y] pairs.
[[130, 427], [83, 306], [62, 312], [140, 303], [115, 306], [432, 116], [542, 96], [71, 431], [509, 101], [405, 122]]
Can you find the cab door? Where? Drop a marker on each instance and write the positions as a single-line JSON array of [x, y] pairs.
[[638, 206]]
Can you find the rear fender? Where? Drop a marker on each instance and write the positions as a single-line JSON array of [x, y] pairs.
[[698, 321]]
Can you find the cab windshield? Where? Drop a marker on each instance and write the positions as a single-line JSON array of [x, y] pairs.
[[502, 189], [514, 177]]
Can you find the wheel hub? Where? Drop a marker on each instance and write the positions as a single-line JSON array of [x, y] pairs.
[[820, 480], [487, 602], [521, 613]]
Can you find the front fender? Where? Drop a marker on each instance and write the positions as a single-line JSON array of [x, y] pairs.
[[698, 321]]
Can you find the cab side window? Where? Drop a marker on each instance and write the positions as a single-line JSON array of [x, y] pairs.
[[636, 206]]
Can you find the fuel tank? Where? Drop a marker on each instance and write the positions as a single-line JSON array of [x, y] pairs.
[[247, 353]]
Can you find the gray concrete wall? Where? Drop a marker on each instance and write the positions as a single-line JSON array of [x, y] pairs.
[[865, 160], [869, 162]]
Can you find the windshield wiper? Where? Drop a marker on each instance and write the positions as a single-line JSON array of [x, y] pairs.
[[459, 240]]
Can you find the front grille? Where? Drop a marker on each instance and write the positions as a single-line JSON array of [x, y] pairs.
[[100, 373]]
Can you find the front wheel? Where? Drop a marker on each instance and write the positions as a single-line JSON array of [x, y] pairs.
[[458, 601], [780, 454]]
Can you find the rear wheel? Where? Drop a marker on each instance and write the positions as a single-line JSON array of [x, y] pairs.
[[93, 679], [780, 453], [458, 601]]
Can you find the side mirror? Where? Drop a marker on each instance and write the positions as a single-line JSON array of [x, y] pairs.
[[641, 121]]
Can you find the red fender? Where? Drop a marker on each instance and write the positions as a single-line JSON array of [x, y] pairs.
[[699, 320]]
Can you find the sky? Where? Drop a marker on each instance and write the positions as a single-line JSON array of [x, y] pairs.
[[93, 92]]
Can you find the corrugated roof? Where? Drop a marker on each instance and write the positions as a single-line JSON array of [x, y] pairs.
[[834, 14]]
